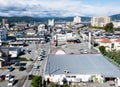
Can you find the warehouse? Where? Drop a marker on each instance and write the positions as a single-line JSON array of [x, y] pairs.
[[80, 68]]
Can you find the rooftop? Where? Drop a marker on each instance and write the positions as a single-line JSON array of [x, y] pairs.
[[81, 64]]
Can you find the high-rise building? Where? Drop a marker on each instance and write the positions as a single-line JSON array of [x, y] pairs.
[[4, 21], [3, 34], [77, 19], [100, 21], [51, 22]]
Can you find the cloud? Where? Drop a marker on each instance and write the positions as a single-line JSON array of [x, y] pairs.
[[54, 8]]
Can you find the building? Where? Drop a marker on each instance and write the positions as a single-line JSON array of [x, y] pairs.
[[31, 39], [30, 32], [79, 68], [100, 21], [14, 52], [116, 24], [41, 27], [4, 57], [109, 44], [4, 21], [77, 19], [51, 22], [16, 44], [3, 35], [106, 43]]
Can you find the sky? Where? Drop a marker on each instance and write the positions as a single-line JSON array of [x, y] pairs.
[[60, 8]]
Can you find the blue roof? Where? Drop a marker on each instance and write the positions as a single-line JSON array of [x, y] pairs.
[[81, 64]]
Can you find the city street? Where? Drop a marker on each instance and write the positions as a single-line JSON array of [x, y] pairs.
[[41, 63]]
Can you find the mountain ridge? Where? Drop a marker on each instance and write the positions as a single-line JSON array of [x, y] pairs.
[[29, 19]]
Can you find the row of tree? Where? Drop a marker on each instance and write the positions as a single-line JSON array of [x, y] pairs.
[[113, 55], [109, 27], [38, 82]]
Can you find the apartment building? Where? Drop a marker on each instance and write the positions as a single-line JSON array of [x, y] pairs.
[[77, 19], [100, 21], [3, 35]]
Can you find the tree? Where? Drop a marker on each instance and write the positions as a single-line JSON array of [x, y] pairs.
[[109, 27], [53, 85], [102, 50], [37, 81], [65, 85]]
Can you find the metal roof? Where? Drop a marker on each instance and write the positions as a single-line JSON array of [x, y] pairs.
[[81, 64]]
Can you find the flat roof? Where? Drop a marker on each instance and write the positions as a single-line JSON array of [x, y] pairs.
[[81, 64]]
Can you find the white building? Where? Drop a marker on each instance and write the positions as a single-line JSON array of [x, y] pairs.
[[116, 24], [77, 19], [109, 44], [30, 32], [64, 37], [100, 21], [65, 69], [14, 51], [41, 26], [51, 22]]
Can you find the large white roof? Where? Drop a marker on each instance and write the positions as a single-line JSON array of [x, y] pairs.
[[81, 64]]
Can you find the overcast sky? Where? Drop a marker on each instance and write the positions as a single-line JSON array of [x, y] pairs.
[[59, 7]]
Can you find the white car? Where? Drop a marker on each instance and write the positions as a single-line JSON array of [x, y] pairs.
[[39, 58], [85, 51], [11, 82], [8, 77]]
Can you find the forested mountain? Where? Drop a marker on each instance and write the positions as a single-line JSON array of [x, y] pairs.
[[41, 19], [45, 19], [115, 17]]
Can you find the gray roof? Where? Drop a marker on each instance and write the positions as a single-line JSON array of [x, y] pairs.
[[81, 64]]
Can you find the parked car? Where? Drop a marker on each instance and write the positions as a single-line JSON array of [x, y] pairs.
[[11, 82], [10, 68], [40, 58], [8, 77], [78, 41], [30, 76], [2, 77], [21, 68]]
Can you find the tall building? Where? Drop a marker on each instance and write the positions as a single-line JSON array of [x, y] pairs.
[[4, 21], [3, 34], [51, 22], [100, 21], [77, 19]]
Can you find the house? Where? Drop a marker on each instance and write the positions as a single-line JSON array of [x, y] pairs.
[[116, 44], [105, 42]]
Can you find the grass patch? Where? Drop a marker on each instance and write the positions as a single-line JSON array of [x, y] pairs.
[[23, 59]]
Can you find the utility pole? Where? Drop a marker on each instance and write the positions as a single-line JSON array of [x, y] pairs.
[[89, 43]]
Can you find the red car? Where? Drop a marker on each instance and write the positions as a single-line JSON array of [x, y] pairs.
[[2, 77]]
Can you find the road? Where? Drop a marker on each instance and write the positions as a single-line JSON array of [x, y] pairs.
[[41, 63]]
